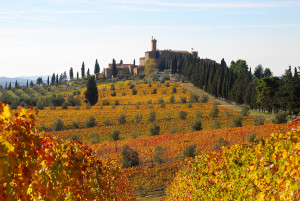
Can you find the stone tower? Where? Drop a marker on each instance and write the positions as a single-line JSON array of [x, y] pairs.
[[153, 44]]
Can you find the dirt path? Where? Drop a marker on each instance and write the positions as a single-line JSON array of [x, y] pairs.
[[223, 103]]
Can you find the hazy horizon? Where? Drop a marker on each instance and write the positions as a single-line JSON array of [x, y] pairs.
[[46, 37]]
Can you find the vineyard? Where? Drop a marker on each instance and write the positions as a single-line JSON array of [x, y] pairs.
[[158, 121], [267, 169], [36, 167]]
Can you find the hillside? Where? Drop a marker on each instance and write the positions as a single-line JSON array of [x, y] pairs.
[[162, 123]]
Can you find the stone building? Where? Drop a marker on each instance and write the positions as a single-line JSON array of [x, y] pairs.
[[165, 55], [123, 69]]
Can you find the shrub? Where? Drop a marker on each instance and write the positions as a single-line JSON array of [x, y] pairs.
[[204, 98], [174, 90], [182, 115], [107, 122], [149, 102], [221, 142], [112, 87], [182, 99], [214, 111], [280, 118], [113, 106], [253, 138], [152, 116], [64, 106], [58, 125], [124, 93], [134, 91], [194, 98], [75, 136], [190, 151], [245, 111], [117, 102], [172, 100], [237, 121], [91, 122], [113, 93], [131, 86], [164, 91], [122, 119], [162, 105], [154, 129], [115, 135], [259, 120], [130, 157], [138, 118], [159, 154], [189, 105], [95, 138], [154, 91], [197, 125], [76, 124], [183, 90], [105, 102], [160, 100], [167, 84], [150, 85]]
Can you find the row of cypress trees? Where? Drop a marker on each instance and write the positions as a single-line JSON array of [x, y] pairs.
[[236, 83]]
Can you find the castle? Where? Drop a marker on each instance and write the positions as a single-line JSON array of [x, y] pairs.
[[165, 56]]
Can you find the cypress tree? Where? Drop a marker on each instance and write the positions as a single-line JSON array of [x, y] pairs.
[[16, 84], [82, 70], [134, 62], [48, 81], [53, 79], [88, 73], [114, 68], [77, 75], [97, 67], [9, 86], [91, 93], [27, 84], [71, 73], [31, 83]]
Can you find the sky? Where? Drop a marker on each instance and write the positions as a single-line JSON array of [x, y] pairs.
[[42, 37]]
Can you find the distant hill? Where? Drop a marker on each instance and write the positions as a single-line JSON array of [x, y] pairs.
[[21, 80]]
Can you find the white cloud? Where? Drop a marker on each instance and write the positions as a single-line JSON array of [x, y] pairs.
[[273, 4]]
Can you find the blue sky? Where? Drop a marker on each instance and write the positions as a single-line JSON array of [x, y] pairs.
[[40, 37]]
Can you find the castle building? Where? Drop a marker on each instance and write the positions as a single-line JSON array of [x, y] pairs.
[[123, 69], [165, 55]]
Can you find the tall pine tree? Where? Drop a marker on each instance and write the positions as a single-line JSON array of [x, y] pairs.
[[97, 67], [114, 68], [82, 70], [91, 93], [71, 74]]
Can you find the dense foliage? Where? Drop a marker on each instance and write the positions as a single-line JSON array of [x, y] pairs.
[[34, 166], [236, 83], [264, 170]]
